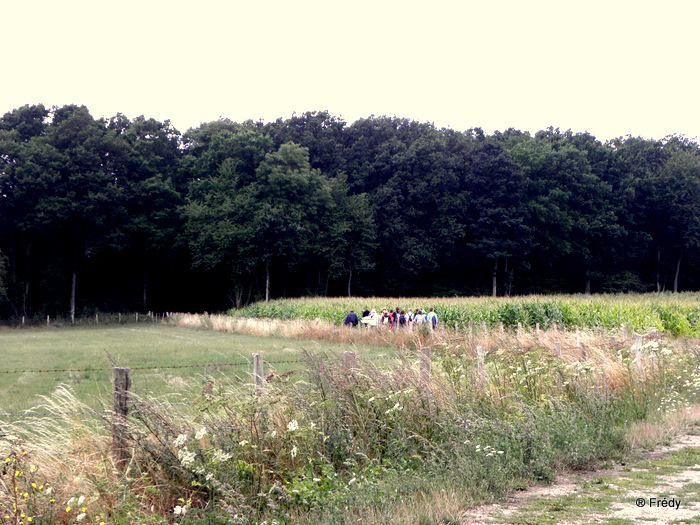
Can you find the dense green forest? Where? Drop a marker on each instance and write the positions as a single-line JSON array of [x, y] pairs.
[[124, 215]]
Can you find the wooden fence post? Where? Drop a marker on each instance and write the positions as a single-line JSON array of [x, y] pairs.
[[122, 385], [425, 365], [557, 349], [258, 374]]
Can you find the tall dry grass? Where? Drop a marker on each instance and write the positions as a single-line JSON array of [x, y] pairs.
[[598, 348]]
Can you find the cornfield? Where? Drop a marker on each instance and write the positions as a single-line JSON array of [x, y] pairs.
[[674, 314]]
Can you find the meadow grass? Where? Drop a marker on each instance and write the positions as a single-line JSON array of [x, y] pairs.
[[155, 346]]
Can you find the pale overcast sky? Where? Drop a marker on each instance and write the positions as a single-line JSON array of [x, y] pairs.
[[608, 67]]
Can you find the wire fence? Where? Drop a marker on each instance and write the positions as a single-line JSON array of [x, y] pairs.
[[32, 413]]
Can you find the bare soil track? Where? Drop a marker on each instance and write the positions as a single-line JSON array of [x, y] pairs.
[[659, 487]]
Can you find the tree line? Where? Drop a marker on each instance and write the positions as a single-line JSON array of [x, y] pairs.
[[130, 214]]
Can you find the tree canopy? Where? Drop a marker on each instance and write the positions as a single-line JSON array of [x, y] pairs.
[[131, 214]]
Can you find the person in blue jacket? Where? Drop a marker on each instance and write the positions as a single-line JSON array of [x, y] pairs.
[[432, 318], [351, 319]]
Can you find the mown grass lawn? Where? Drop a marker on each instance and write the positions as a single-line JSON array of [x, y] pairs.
[[84, 356]]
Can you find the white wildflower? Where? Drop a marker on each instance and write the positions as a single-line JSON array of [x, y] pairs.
[[397, 406], [180, 440], [220, 456], [200, 433], [294, 451], [186, 457], [292, 425], [180, 510], [80, 517]]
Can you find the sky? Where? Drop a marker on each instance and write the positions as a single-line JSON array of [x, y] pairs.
[[610, 68]]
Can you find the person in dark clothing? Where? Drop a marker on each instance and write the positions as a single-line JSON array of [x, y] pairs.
[[351, 319]]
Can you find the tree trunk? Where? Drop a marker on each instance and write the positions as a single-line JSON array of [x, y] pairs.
[[349, 283], [658, 269], [678, 272], [25, 294], [72, 294], [239, 297], [494, 283], [145, 290], [267, 282], [509, 274], [250, 291], [76, 258], [588, 285]]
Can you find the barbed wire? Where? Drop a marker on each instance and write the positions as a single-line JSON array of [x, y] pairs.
[[59, 414], [170, 367], [154, 367], [30, 414]]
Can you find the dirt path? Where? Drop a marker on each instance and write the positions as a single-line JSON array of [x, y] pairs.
[[660, 487]]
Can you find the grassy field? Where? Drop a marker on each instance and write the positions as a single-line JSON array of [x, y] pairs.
[[157, 347]]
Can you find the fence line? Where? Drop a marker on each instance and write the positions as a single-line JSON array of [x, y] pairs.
[[122, 381], [156, 367]]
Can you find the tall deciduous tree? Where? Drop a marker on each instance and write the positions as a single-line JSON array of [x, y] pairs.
[[28, 172], [288, 196], [496, 212], [677, 196], [221, 165], [87, 199], [151, 197]]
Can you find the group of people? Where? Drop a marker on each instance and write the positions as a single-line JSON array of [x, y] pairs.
[[393, 319]]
